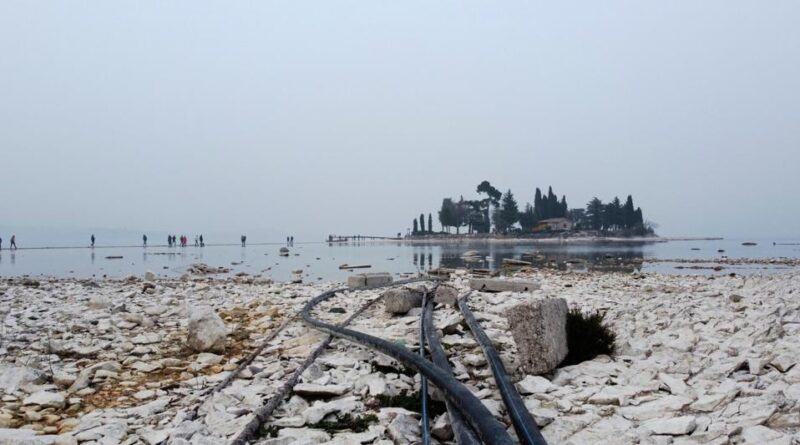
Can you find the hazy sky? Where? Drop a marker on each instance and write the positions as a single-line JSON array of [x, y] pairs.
[[346, 117]]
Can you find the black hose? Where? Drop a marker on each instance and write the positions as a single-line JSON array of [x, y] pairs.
[[423, 382], [262, 414], [527, 430], [489, 429], [461, 430]]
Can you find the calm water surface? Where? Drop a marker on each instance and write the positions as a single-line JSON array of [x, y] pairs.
[[321, 261]]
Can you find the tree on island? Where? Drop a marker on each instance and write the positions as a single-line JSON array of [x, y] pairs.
[[492, 200], [594, 213], [527, 219], [502, 211], [414, 230], [507, 214], [447, 214]]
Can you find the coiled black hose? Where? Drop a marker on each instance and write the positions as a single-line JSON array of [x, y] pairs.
[[527, 430], [461, 430], [489, 429]]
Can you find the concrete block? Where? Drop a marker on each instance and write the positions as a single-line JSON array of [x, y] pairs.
[[502, 285], [368, 279], [539, 328]]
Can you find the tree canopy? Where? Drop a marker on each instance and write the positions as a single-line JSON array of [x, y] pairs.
[[500, 211]]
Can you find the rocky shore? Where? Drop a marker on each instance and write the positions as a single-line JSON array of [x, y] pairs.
[[699, 360]]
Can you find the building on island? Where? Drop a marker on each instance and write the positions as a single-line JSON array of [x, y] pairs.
[[554, 225]]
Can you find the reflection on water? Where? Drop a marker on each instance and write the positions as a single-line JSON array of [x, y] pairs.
[[320, 261], [577, 258]]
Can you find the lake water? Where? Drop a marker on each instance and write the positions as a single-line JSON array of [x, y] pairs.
[[321, 261]]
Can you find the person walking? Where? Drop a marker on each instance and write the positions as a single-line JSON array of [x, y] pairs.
[[196, 241], [244, 239], [144, 240], [13, 243], [92, 238], [202, 244], [1, 243]]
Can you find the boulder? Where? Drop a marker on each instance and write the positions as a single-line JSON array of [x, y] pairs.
[[400, 301], [502, 285], [149, 276], [539, 328], [207, 331], [446, 295]]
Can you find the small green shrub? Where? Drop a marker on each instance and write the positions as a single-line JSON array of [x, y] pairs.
[[357, 424], [411, 402], [587, 337]]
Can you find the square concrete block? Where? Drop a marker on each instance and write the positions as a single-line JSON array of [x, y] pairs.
[[362, 280], [539, 328]]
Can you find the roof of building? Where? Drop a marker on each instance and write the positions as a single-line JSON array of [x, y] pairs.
[[555, 220]]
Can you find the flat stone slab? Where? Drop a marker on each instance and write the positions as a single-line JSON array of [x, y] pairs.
[[369, 279], [500, 285]]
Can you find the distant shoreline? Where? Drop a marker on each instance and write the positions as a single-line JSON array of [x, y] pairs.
[[586, 240]]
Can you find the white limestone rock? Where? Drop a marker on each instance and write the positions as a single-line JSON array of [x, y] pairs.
[[207, 331]]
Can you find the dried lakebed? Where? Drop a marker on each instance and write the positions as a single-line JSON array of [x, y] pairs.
[[699, 360]]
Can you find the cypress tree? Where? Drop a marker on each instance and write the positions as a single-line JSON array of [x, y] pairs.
[[430, 223], [628, 213], [422, 223], [538, 207], [564, 208], [552, 201], [414, 230]]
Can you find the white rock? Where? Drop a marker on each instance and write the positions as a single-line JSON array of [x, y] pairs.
[[441, 428], [534, 384], [323, 391], [319, 410], [676, 426], [207, 331], [656, 408], [45, 399], [761, 435], [146, 339], [298, 436], [99, 302]]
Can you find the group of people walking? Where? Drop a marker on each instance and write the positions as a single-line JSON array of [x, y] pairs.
[[172, 241], [13, 245]]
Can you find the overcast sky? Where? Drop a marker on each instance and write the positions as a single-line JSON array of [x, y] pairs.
[[353, 117]]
